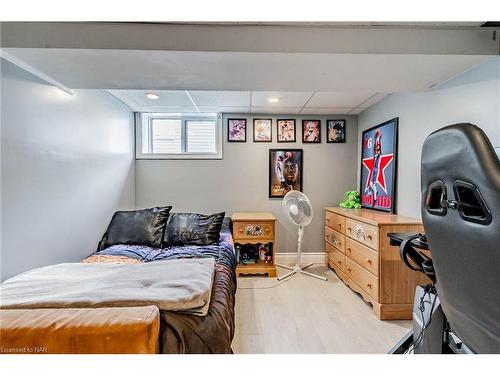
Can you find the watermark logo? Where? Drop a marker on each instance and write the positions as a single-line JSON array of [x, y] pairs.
[[24, 350]]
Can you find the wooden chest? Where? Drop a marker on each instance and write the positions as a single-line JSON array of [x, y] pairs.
[[359, 252]]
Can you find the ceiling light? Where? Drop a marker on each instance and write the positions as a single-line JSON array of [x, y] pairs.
[[152, 95], [273, 100]]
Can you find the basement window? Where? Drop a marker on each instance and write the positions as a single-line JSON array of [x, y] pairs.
[[178, 136]]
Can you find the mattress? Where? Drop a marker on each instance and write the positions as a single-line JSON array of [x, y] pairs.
[[181, 333]]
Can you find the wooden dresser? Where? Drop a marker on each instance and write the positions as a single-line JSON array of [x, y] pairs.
[[359, 252]]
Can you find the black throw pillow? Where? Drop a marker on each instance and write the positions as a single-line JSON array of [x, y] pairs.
[[192, 229], [140, 227]]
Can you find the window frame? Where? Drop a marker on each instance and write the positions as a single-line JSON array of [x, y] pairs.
[[139, 132]]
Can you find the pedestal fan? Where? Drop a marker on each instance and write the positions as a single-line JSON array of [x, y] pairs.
[[299, 210]]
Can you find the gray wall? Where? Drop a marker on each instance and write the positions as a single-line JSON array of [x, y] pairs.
[[239, 182], [67, 165], [471, 97]]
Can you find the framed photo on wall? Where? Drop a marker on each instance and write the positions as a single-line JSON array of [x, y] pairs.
[[237, 130], [311, 131], [286, 130], [286, 171], [379, 148], [335, 131], [262, 130]]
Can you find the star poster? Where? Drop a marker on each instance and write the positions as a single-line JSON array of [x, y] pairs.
[[378, 166]]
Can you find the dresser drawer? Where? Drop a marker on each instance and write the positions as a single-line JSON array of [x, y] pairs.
[[329, 247], [253, 230], [338, 259], [364, 233], [362, 277], [335, 238], [364, 256], [335, 221]]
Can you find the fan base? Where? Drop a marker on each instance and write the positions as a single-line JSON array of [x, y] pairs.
[[298, 269]]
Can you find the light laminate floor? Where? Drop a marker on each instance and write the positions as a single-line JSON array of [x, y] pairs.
[[306, 315]]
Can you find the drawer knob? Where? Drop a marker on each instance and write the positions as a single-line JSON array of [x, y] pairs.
[[369, 285], [369, 237], [340, 243], [369, 261], [340, 225], [348, 270], [327, 220], [240, 230], [268, 230], [349, 229], [339, 262], [349, 249]]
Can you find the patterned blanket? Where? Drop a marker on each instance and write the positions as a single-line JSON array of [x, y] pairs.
[[222, 252]]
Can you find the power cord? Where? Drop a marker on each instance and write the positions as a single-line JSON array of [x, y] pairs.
[[431, 291]]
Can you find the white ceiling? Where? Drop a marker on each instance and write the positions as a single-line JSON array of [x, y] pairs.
[[308, 102], [312, 69]]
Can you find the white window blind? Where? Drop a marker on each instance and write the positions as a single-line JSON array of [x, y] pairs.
[[166, 136], [201, 136]]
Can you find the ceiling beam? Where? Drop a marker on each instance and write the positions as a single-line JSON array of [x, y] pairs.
[[251, 38], [29, 68], [169, 70], [188, 94]]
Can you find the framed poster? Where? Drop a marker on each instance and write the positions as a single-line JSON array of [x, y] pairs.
[[262, 130], [379, 148], [286, 171], [286, 130], [237, 130], [335, 131], [311, 131]]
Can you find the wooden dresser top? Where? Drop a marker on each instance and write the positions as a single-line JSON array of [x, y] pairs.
[[373, 217], [252, 216]]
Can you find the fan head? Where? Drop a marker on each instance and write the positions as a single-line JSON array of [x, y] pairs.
[[297, 208]]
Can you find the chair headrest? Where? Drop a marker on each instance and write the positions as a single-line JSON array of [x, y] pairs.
[[460, 170]]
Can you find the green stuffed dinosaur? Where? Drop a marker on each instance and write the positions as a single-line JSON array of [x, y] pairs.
[[352, 201]]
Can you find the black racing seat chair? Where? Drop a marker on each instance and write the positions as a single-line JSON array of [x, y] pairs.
[[460, 182]]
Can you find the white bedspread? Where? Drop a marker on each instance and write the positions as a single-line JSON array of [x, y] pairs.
[[173, 285]]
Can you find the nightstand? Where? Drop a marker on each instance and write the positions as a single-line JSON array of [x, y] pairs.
[[254, 238]]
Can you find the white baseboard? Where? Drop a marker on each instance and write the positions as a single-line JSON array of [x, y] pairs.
[[316, 258]]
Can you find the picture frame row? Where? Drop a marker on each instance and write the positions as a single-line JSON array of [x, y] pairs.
[[287, 132]]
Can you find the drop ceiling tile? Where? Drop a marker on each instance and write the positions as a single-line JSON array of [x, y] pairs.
[[225, 109], [357, 111], [276, 110], [373, 99], [221, 98], [167, 109], [138, 97], [287, 99], [325, 111], [338, 99]]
